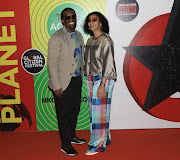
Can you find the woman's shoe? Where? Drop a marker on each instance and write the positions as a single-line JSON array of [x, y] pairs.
[[90, 153]]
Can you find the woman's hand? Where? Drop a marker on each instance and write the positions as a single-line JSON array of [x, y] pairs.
[[100, 92]]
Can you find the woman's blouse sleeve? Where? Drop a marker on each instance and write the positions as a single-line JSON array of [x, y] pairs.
[[108, 63]]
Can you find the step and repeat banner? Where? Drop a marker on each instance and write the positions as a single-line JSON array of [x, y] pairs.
[[25, 28], [146, 39], [146, 35]]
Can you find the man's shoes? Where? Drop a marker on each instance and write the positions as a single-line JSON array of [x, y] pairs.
[[90, 153], [77, 140], [70, 151]]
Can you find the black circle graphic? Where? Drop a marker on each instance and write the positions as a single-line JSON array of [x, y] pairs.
[[127, 10], [33, 61]]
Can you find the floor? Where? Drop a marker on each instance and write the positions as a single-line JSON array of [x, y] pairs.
[[150, 144]]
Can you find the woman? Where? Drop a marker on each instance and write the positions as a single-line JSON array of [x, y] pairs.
[[101, 74]]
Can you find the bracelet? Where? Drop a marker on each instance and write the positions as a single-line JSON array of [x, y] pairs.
[[102, 84]]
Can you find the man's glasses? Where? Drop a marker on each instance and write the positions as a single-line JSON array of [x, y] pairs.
[[69, 17], [93, 20]]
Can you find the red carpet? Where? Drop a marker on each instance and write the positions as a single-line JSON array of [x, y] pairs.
[[153, 144]]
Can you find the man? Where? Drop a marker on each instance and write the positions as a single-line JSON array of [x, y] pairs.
[[65, 66]]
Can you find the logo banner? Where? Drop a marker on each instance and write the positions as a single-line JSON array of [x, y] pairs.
[[17, 100]]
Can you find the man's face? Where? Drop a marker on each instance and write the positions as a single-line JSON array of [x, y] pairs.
[[69, 20]]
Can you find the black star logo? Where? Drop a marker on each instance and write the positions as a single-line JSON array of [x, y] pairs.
[[163, 61]]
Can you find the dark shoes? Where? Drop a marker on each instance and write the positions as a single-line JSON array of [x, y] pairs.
[[77, 140], [69, 151]]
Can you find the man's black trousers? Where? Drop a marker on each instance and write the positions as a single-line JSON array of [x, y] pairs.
[[67, 110]]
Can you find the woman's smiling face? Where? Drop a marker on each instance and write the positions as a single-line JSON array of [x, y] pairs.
[[94, 23]]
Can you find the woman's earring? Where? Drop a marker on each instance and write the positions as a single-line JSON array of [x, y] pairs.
[[101, 27]]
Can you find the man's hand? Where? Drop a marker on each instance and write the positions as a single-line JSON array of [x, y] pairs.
[[58, 92]]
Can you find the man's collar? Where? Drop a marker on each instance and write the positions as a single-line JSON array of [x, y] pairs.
[[65, 30]]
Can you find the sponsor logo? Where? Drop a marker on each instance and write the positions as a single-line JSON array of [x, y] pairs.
[[33, 61], [51, 100], [127, 10]]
